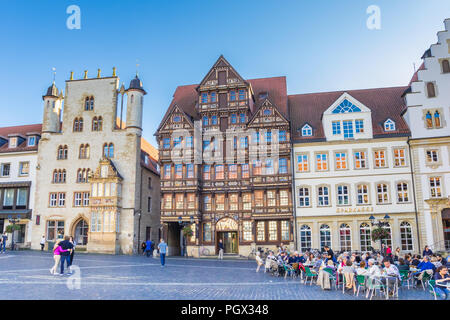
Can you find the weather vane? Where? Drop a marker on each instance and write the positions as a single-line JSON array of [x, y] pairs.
[[54, 74], [137, 67]]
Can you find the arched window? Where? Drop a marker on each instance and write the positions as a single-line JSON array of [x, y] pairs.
[[445, 66], [105, 150], [81, 233], [406, 236], [429, 120], [345, 237], [79, 175], [84, 151], [55, 176], [431, 89], [78, 125], [100, 123], [388, 241], [132, 98], [111, 151], [89, 104], [62, 152], [346, 107], [63, 176], [325, 236], [364, 237], [94, 124], [75, 125], [305, 238], [437, 119]]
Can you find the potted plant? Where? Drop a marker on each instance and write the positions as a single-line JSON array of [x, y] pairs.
[[187, 231], [11, 228], [380, 234]]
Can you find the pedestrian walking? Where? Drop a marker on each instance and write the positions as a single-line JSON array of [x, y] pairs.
[[4, 239], [148, 248], [162, 246], [65, 255], [72, 253], [143, 246], [57, 256], [259, 261], [42, 242], [220, 250]]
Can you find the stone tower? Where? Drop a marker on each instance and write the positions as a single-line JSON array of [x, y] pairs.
[[52, 110]]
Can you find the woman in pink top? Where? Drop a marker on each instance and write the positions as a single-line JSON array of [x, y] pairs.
[[57, 256]]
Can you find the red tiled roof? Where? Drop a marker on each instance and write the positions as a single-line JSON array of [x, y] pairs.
[[21, 131], [152, 153], [186, 96], [383, 102], [415, 76]]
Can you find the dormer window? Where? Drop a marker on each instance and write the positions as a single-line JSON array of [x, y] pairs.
[[13, 142], [348, 129], [389, 125], [336, 127], [306, 130], [31, 141], [262, 95]]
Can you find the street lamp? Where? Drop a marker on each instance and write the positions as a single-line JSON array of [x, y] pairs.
[[13, 221], [380, 224]]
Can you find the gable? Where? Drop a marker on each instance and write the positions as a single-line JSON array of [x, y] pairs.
[[176, 119], [346, 104], [267, 115], [220, 74]]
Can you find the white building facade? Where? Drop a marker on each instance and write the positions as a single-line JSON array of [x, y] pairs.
[[18, 160], [428, 116], [351, 163]]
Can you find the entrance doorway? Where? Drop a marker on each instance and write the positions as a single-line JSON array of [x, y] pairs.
[[230, 241], [81, 233]]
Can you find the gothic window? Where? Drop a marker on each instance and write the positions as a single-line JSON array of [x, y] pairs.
[[59, 176], [78, 125], [89, 104], [346, 107], [97, 124], [111, 151], [62, 152], [431, 89], [84, 151], [108, 150]]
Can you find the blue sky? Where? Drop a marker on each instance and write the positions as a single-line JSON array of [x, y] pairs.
[[318, 45]]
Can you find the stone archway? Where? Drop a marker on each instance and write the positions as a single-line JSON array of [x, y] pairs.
[[227, 230], [80, 231]]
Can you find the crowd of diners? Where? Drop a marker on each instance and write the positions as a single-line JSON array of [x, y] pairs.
[[383, 265]]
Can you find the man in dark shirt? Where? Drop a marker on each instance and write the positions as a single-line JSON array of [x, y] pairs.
[[330, 253], [65, 256]]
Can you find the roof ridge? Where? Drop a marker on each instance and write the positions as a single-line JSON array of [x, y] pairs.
[[347, 90]]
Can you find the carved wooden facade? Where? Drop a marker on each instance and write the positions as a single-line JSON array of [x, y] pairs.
[[236, 192]]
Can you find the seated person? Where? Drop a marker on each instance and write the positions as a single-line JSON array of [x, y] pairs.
[[441, 259], [434, 260], [426, 265], [361, 270], [330, 265], [318, 263], [373, 270], [390, 269], [442, 278], [402, 266], [415, 260]]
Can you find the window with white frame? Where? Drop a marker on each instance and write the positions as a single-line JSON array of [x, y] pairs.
[[406, 236], [77, 199], [285, 234], [402, 192], [382, 193], [31, 141], [359, 126], [364, 237], [343, 195], [432, 156], [321, 162], [305, 238], [389, 125], [363, 194], [273, 231], [284, 198], [271, 198], [341, 160], [53, 200], [360, 160], [323, 196], [86, 196], [435, 187], [380, 158], [306, 130], [61, 199], [260, 231], [302, 162], [24, 168], [399, 157], [247, 231], [303, 197], [348, 129], [336, 126]]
